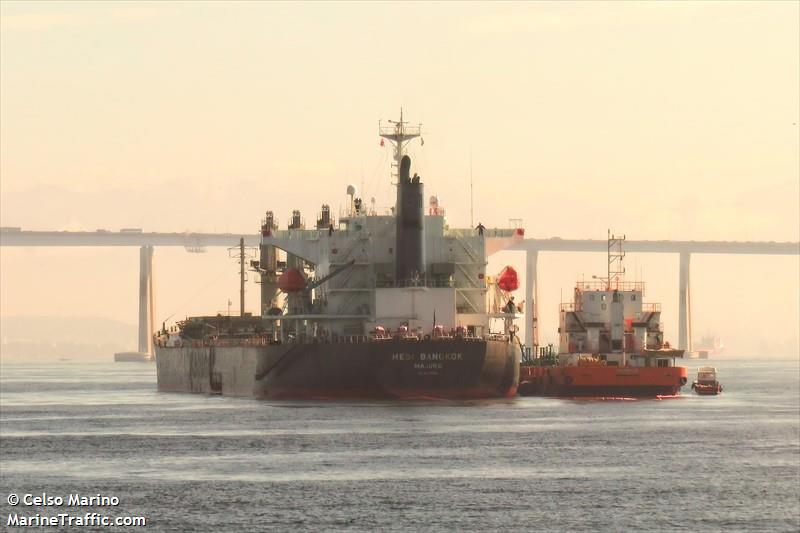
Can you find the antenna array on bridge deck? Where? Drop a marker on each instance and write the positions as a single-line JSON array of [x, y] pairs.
[[615, 256]]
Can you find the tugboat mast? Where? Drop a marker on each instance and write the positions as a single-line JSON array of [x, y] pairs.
[[400, 134], [615, 256]]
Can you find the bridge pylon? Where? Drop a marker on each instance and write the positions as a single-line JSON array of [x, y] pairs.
[[684, 303], [531, 301], [146, 308]]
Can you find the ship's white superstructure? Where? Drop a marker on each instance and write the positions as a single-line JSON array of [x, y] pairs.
[[609, 320], [368, 282]]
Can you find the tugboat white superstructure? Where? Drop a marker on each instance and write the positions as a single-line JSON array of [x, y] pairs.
[[369, 305]]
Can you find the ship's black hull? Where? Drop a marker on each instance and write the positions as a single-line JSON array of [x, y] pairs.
[[398, 369]]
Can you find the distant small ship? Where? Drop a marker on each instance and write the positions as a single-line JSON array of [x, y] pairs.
[[709, 346], [133, 357]]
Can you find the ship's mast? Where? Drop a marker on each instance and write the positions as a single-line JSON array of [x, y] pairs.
[[471, 221], [615, 257], [240, 253], [241, 276], [400, 134]]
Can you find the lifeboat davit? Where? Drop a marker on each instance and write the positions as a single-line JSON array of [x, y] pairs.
[[508, 280], [292, 280]]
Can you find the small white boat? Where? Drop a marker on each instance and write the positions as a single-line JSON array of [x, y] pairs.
[[706, 383], [133, 357]]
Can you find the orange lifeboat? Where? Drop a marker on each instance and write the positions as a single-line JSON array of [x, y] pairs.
[[292, 280], [508, 280]]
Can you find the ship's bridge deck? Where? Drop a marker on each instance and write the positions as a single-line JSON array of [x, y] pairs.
[[603, 286], [315, 234], [572, 306]]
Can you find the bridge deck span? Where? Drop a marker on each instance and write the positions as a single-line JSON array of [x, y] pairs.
[[692, 247], [531, 247], [91, 238]]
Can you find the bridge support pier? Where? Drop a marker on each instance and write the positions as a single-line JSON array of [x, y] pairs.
[[684, 303], [146, 310], [531, 301]]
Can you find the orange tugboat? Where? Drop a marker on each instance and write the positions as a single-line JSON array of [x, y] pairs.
[[611, 344], [706, 383]]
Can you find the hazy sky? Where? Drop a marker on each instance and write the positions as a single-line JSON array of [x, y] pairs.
[[659, 120]]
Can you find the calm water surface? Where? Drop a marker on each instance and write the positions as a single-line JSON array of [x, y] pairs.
[[202, 463]]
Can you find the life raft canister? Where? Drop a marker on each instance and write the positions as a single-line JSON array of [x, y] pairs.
[[508, 279]]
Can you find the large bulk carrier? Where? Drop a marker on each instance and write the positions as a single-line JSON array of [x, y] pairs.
[[370, 305]]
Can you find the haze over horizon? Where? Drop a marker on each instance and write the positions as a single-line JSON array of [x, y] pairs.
[[657, 120]]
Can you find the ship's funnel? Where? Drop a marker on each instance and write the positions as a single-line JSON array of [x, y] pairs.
[[410, 244], [405, 168]]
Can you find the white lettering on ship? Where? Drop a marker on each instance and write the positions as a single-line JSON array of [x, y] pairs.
[[428, 356]]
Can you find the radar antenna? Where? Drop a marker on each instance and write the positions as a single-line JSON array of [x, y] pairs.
[[615, 256], [400, 134]]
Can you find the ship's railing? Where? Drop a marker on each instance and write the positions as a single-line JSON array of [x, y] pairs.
[[546, 356], [487, 232], [431, 283], [253, 341], [616, 285], [298, 235], [198, 343], [335, 339], [572, 306], [354, 339], [393, 129]]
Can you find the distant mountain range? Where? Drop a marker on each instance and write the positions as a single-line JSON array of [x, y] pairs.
[[72, 337]]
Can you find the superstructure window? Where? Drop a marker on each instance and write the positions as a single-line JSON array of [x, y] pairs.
[[602, 297], [633, 297]]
